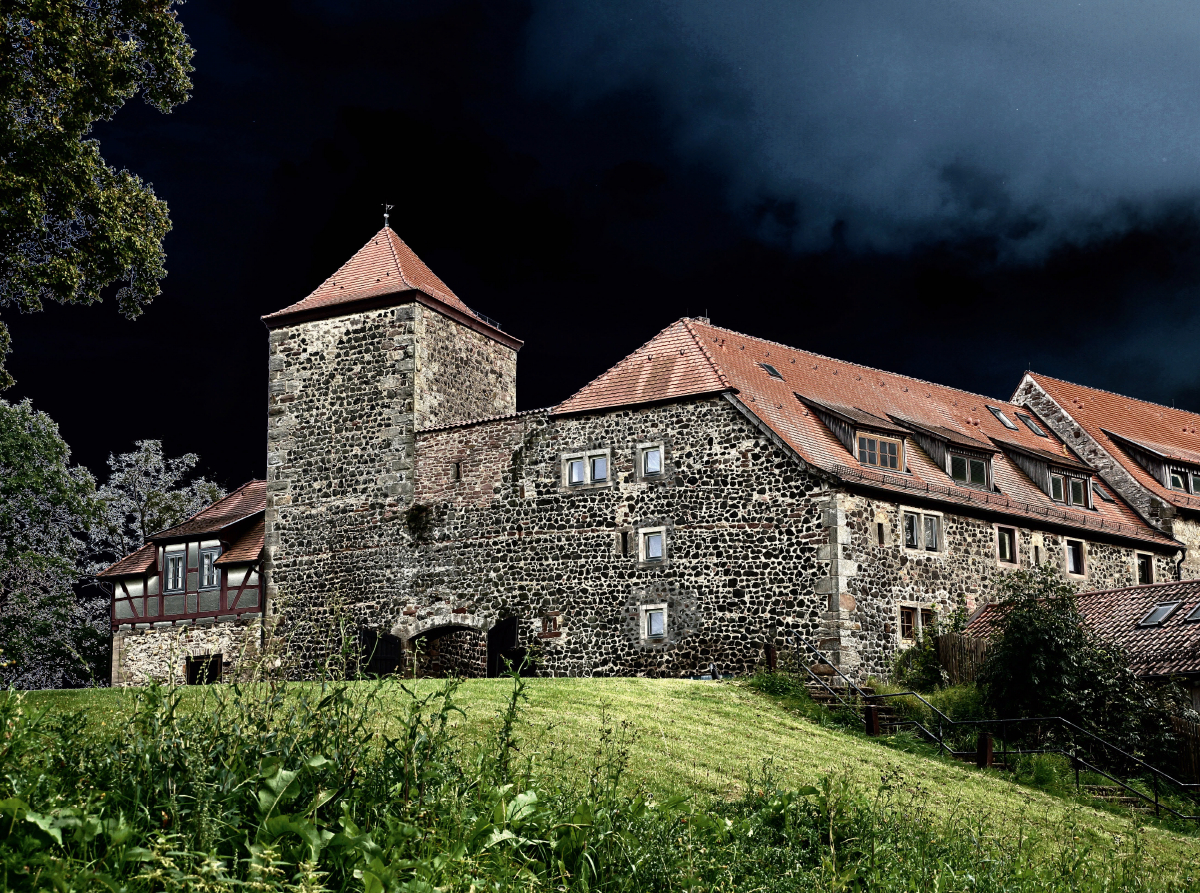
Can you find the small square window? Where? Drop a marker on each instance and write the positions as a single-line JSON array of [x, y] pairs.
[[1056, 488], [652, 546], [771, 370], [575, 472], [1006, 544], [879, 452], [173, 578], [1178, 480], [908, 623], [210, 574], [1075, 557], [1002, 418], [599, 468], [1145, 568], [1159, 614], [1078, 492], [652, 461], [656, 623], [1032, 425]]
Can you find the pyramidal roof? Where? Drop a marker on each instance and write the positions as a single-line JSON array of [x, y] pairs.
[[383, 267]]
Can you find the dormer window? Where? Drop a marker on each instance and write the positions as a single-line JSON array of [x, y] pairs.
[[969, 470], [1069, 489], [1002, 418], [881, 452], [1179, 479], [1057, 488], [1078, 492]]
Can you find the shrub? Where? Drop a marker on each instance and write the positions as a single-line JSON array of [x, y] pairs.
[[918, 666]]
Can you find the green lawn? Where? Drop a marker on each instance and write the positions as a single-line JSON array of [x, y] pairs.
[[706, 738]]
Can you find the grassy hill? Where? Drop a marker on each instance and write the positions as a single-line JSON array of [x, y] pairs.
[[706, 740]]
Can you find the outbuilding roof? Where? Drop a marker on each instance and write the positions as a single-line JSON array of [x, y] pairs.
[[246, 500], [383, 272], [135, 563], [1116, 422], [692, 357], [1169, 648]]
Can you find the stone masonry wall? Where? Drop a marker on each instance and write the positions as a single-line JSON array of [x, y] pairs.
[[461, 374], [343, 399], [160, 653]]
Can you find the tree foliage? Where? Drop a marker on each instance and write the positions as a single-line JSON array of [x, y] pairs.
[[51, 636], [1045, 661], [145, 493], [70, 224]]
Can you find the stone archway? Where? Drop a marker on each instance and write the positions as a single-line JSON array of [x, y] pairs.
[[461, 645]]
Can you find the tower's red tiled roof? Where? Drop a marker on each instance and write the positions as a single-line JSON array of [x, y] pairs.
[[1169, 648], [246, 500], [1173, 433], [692, 357], [384, 266]]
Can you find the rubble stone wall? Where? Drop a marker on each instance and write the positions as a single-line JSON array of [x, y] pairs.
[[159, 653]]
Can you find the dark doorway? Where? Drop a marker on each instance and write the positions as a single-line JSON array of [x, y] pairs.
[[204, 669], [380, 654], [503, 648]]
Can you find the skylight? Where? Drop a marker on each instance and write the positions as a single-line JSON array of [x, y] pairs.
[[1101, 492], [1194, 615], [771, 371], [1032, 425], [1159, 614], [1004, 420]]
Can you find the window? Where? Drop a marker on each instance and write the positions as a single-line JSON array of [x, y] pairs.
[[1101, 492], [210, 574], [652, 545], [1159, 614], [1195, 482], [624, 543], [1145, 568], [652, 461], [1006, 544], [456, 471], [881, 538], [1037, 555], [599, 468], [908, 623], [1194, 615], [1079, 492], [551, 626], [1179, 480], [1056, 488], [203, 669], [968, 470], [584, 469], [1002, 418], [771, 371], [878, 451], [1075, 557], [173, 579], [1032, 425], [922, 531], [654, 621], [927, 622]]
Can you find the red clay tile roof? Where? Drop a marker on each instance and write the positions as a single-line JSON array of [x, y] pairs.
[[243, 502], [1173, 647], [384, 266], [135, 563], [692, 357], [248, 546], [1174, 433]]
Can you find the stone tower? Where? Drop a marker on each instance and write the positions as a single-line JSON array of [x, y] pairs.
[[382, 349]]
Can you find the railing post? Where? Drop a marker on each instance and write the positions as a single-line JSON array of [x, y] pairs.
[[871, 716], [1155, 776], [983, 750], [941, 745], [1075, 758]]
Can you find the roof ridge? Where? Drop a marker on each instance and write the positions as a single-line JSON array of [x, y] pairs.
[[1088, 387], [395, 258], [687, 325], [867, 368]]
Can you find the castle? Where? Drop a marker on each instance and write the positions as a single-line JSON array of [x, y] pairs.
[[711, 498]]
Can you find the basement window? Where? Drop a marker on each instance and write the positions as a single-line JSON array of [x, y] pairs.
[[878, 451], [771, 371], [1002, 418], [1145, 568], [653, 622], [1032, 425], [968, 470], [1159, 614]]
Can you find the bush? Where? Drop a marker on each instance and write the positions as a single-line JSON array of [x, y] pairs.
[[918, 666]]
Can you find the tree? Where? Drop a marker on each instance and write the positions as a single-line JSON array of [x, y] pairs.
[[146, 493], [70, 224], [52, 637]]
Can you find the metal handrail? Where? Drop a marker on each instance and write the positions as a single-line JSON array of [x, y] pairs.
[[1189, 788]]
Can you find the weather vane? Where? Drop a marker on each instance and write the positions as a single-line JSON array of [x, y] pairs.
[[386, 208]]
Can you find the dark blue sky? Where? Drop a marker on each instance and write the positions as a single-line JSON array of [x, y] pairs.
[[956, 191]]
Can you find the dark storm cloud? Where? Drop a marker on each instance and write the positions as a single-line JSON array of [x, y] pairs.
[[1028, 122]]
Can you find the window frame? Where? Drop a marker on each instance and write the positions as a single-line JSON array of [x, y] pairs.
[[1062, 487], [587, 457], [922, 514], [1032, 425], [1082, 557], [643, 450], [215, 551], [644, 612], [1014, 535], [644, 534], [968, 458], [771, 371], [1148, 558], [1184, 475], [864, 434], [168, 558], [1002, 418], [918, 611], [1172, 608]]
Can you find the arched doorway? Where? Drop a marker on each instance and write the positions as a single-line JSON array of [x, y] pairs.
[[450, 650]]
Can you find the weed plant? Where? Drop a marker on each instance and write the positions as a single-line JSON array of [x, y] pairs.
[[269, 787]]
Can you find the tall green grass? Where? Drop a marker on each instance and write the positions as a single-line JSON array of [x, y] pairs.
[[270, 787]]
